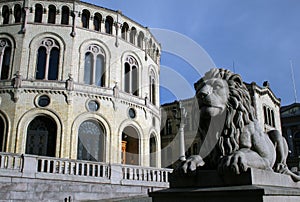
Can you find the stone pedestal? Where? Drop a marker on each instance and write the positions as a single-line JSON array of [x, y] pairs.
[[252, 186]]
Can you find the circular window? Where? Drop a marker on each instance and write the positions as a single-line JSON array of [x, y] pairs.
[[43, 101], [93, 106], [132, 113]]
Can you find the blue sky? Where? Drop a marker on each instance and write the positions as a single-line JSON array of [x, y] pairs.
[[260, 36]]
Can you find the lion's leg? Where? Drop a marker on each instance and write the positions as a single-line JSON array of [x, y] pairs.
[[281, 148]]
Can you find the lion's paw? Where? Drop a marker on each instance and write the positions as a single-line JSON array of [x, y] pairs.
[[236, 163], [192, 163]]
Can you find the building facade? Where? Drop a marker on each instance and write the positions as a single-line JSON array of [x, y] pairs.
[[267, 111], [290, 120], [78, 81]]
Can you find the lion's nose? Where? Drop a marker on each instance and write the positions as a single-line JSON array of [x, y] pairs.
[[204, 91], [203, 94]]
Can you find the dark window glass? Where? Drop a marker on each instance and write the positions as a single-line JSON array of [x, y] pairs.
[[85, 19], [127, 78], [43, 101], [97, 22], [108, 25], [88, 68], [53, 64], [51, 14], [90, 141], [100, 71], [6, 63], [124, 30], [132, 113], [5, 14], [41, 64], [65, 15], [38, 16], [41, 137], [135, 81], [132, 35], [17, 13]]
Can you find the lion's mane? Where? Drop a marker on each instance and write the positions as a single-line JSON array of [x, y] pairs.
[[239, 109]]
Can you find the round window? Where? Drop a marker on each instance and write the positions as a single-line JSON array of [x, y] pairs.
[[43, 101], [93, 106], [132, 113]]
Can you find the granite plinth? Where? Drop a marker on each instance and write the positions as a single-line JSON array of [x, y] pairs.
[[208, 186]]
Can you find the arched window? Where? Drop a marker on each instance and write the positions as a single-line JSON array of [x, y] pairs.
[[108, 24], [149, 47], [272, 118], [152, 88], [154, 52], [41, 136], [38, 15], [85, 18], [153, 151], [169, 126], [97, 21], [91, 141], [17, 13], [265, 114], [2, 134], [48, 60], [140, 39], [124, 30], [65, 15], [5, 14], [131, 146], [51, 14], [131, 76], [94, 66], [132, 35], [5, 58]]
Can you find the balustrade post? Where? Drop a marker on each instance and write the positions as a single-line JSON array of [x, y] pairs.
[[116, 173], [30, 166]]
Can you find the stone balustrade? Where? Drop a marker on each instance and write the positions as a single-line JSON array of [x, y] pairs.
[[10, 161], [77, 170]]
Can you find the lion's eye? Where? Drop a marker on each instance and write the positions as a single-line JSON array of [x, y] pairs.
[[218, 86]]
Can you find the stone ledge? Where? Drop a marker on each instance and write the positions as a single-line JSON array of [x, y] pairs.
[[211, 178]]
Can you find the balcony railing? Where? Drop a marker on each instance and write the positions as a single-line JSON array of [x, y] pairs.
[[77, 170]]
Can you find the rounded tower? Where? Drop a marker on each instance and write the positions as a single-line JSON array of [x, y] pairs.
[[78, 81]]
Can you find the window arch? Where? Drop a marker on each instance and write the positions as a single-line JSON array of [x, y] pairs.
[[5, 58], [124, 31], [132, 35], [41, 136], [140, 39], [5, 14], [91, 141], [51, 14], [85, 18], [94, 66], [48, 60], [65, 15], [130, 146], [108, 24], [17, 13], [153, 151], [2, 135], [38, 15], [131, 76], [152, 88], [97, 21]]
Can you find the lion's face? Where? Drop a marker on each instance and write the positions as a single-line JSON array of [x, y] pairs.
[[212, 97]]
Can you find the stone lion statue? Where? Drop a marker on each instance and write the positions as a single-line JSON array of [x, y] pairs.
[[236, 139]]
